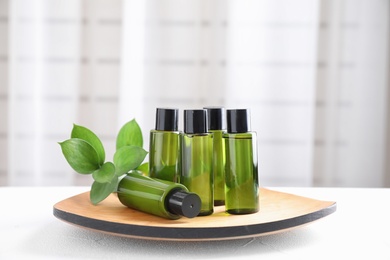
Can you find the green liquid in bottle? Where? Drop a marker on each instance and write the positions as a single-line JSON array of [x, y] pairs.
[[218, 167], [197, 168], [241, 175], [164, 155], [216, 118]]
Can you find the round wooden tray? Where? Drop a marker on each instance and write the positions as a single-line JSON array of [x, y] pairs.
[[278, 212]]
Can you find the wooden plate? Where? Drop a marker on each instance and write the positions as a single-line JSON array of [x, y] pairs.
[[278, 212]]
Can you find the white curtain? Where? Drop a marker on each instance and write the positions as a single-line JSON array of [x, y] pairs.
[[315, 75]]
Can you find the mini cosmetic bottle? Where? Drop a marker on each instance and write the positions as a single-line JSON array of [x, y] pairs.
[[164, 146], [241, 174], [158, 197], [197, 158], [216, 125]]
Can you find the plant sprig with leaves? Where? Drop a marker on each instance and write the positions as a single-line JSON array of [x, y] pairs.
[[86, 155]]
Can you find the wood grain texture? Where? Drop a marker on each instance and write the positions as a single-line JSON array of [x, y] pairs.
[[278, 212]]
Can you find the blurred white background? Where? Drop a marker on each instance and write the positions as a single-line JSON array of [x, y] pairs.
[[315, 74]]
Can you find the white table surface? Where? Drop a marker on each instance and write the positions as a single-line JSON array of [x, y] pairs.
[[360, 227]]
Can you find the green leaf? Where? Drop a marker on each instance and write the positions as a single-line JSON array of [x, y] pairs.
[[105, 174], [100, 191], [91, 138], [144, 168], [129, 134], [81, 156], [128, 158]]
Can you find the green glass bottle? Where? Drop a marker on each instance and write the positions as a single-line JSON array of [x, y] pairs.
[[197, 158], [164, 146], [216, 125], [241, 175], [158, 197]]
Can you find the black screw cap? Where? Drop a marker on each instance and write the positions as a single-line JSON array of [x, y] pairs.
[[238, 120], [166, 119], [184, 203], [216, 118], [195, 121]]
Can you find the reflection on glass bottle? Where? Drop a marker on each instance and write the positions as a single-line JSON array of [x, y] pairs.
[[241, 175], [197, 158], [164, 146], [216, 125], [158, 197]]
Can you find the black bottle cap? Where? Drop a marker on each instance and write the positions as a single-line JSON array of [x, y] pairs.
[[216, 118], [184, 203], [195, 121], [166, 119], [238, 120]]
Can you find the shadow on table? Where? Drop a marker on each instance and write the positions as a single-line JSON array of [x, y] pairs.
[[70, 241]]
